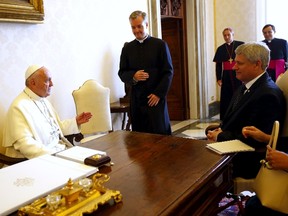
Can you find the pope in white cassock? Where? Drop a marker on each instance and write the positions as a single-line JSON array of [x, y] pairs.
[[32, 127]]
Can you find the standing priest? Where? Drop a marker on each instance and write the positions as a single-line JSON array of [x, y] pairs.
[[226, 78], [279, 52], [146, 64]]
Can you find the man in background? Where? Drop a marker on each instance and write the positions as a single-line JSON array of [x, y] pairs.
[[279, 52], [32, 127], [226, 77], [146, 64]]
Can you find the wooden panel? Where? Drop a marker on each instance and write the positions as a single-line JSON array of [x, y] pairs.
[[172, 32]]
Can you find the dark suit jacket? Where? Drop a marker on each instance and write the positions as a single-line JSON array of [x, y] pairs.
[[279, 49], [260, 107]]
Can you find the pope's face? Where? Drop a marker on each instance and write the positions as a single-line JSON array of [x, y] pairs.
[[43, 82], [139, 27]]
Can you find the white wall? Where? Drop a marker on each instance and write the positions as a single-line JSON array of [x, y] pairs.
[[238, 14], [212, 95], [277, 15], [78, 40]]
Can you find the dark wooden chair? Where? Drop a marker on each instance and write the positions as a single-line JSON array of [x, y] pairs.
[[10, 160], [74, 138]]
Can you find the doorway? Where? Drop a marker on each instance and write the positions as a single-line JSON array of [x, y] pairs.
[[174, 33]]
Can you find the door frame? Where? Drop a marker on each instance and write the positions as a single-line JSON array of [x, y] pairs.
[[197, 62]]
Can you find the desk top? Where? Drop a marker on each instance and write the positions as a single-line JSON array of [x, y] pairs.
[[155, 174]]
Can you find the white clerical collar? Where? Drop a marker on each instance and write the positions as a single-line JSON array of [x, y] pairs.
[[230, 43], [141, 41], [269, 41], [32, 95]]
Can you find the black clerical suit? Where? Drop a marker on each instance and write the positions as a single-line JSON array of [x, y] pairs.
[[224, 58], [278, 57], [260, 106], [152, 56]]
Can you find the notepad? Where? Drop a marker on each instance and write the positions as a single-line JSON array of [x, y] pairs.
[[231, 146], [78, 153]]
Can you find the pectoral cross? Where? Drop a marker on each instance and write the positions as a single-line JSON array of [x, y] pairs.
[[230, 60]]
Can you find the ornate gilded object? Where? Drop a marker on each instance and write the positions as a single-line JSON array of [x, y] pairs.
[[76, 198], [28, 11]]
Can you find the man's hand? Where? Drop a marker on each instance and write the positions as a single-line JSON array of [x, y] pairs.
[[213, 134], [255, 133], [153, 100], [141, 75], [219, 82], [83, 118]]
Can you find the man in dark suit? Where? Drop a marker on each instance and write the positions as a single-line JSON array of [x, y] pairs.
[[146, 64], [259, 105]]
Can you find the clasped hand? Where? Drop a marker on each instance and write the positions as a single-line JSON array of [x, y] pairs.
[[213, 134], [141, 75]]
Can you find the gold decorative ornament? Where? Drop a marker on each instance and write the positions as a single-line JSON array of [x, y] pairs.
[[76, 198]]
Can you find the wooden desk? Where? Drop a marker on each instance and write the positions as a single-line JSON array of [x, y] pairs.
[[163, 175], [122, 107]]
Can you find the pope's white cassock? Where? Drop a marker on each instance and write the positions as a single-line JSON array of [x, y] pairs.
[[33, 128]]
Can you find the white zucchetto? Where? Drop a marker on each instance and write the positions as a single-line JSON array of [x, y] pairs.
[[31, 69]]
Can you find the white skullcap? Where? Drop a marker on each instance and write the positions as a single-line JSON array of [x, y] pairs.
[[31, 69]]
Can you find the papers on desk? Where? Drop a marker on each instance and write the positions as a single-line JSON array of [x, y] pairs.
[[78, 153], [231, 146], [199, 131], [195, 133], [24, 182]]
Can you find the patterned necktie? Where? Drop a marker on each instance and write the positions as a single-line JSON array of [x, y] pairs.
[[239, 96]]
